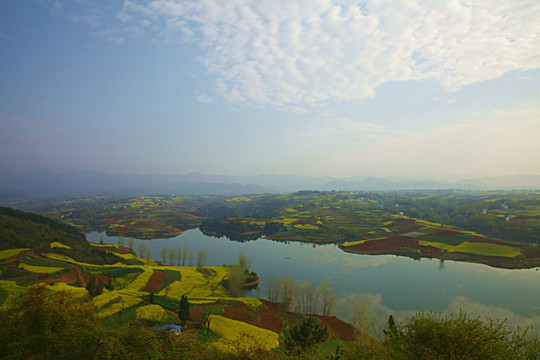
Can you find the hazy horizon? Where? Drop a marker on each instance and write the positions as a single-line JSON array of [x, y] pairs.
[[409, 89]]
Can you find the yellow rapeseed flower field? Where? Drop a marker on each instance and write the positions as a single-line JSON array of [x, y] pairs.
[[141, 280], [40, 269], [6, 254], [150, 312], [56, 244], [75, 291], [486, 249], [233, 331]]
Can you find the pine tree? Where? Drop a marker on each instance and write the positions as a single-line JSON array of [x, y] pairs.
[[307, 334], [183, 313]]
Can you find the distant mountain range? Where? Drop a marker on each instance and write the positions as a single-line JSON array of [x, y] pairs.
[[40, 183]]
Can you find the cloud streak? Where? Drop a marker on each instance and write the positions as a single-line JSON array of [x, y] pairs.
[[500, 143], [303, 52]]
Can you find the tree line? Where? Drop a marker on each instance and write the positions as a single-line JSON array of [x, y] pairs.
[[303, 297]]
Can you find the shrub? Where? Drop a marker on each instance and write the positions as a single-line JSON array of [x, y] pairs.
[[48, 326], [435, 336], [306, 335]]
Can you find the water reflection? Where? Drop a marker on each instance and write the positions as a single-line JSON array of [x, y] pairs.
[[388, 284]]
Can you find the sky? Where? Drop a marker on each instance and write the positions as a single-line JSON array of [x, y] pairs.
[[322, 88]]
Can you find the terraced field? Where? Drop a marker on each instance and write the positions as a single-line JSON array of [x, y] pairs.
[[417, 238], [129, 296]]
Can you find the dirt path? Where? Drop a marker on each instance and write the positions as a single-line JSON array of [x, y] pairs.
[[155, 281]]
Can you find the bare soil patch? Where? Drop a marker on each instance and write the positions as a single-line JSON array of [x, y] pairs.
[[69, 278], [104, 278], [389, 243], [532, 253], [259, 317], [338, 328], [155, 281]]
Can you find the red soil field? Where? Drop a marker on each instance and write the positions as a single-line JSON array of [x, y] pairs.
[[260, 317], [155, 281], [339, 329], [68, 278], [389, 243], [115, 220], [532, 253], [104, 278]]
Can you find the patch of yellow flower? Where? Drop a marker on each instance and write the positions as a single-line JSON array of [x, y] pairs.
[[233, 335], [141, 280], [238, 199], [306, 227], [117, 301], [75, 291], [56, 244], [13, 290], [126, 256], [116, 246], [40, 269], [6, 254], [60, 257], [485, 249], [251, 302], [289, 221], [195, 285], [150, 312], [429, 223], [438, 245], [352, 243]]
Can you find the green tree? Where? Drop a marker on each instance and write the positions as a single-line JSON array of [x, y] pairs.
[[244, 262], [272, 289], [202, 256], [287, 291], [235, 282], [142, 250], [183, 312], [306, 335], [147, 256], [306, 298], [184, 255], [45, 325], [178, 256], [131, 242], [172, 256], [434, 336], [190, 257], [163, 255], [327, 297]]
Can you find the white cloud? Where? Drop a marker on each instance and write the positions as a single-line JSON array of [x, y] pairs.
[[205, 99], [301, 52], [501, 142], [378, 313], [474, 309]]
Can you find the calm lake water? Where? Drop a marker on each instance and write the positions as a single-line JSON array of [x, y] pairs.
[[387, 284]]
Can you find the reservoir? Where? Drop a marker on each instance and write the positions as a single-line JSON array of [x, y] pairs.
[[386, 284]]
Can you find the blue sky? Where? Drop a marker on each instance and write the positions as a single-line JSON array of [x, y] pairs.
[[338, 88]]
